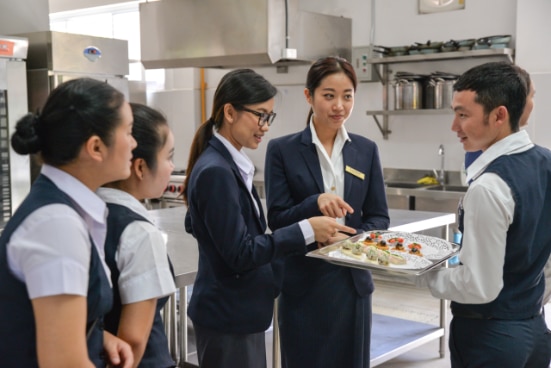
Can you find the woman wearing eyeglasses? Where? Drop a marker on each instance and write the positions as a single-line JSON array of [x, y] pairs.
[[237, 279]]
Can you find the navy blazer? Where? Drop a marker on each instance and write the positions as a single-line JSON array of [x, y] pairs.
[[294, 182], [235, 286]]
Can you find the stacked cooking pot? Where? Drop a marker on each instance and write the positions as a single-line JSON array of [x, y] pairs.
[[417, 91]]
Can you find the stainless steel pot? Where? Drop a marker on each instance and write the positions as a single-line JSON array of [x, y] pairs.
[[443, 92], [407, 94]]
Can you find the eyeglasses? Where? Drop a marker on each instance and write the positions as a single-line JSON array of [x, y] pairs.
[[263, 117]]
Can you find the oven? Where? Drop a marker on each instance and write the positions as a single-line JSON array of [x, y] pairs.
[[172, 196]]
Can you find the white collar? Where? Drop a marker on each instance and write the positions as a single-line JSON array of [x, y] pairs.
[[513, 143], [117, 196], [240, 158], [342, 135], [82, 196]]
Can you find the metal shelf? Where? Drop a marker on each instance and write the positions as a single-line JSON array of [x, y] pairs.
[[505, 52], [384, 74]]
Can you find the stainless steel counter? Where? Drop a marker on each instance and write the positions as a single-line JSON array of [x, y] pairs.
[[183, 252]]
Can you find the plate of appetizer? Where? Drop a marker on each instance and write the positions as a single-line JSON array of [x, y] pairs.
[[394, 252]]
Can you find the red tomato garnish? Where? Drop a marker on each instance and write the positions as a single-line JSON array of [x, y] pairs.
[[414, 245]]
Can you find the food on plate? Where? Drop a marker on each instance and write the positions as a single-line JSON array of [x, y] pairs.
[[399, 247], [373, 238], [382, 245], [397, 259], [415, 248], [371, 253], [353, 250], [396, 240], [383, 257]]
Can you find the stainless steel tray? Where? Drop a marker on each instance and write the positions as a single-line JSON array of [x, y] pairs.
[[435, 252]]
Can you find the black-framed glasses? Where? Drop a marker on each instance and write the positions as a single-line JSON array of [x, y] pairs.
[[263, 117]]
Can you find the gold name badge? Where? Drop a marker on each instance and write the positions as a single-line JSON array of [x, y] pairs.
[[354, 172]]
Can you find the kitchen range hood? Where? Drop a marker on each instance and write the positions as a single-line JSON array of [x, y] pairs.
[[238, 33]]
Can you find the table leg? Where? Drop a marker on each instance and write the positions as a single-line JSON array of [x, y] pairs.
[[182, 333], [275, 328], [170, 322]]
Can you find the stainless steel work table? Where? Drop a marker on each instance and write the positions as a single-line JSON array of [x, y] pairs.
[[182, 249]]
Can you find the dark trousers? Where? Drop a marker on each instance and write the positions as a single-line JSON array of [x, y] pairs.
[[221, 350], [500, 343]]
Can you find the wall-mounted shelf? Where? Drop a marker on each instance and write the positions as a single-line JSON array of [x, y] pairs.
[[384, 74], [503, 52]]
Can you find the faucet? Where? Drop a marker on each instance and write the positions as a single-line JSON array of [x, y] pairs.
[[441, 176]]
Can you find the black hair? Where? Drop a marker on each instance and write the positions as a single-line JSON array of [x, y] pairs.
[[239, 87], [498, 84], [324, 67], [148, 132], [74, 111]]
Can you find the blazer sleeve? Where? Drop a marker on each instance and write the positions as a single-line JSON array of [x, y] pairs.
[[218, 200]]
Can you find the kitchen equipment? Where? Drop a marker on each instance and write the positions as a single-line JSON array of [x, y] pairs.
[[443, 92], [391, 51], [429, 93], [172, 196], [500, 41], [56, 57], [438, 90], [229, 34], [14, 168], [449, 46], [466, 44], [407, 94], [429, 47]]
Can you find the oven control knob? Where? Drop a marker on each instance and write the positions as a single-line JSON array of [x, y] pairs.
[[172, 188], [180, 189]]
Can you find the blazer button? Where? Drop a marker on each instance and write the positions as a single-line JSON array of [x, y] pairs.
[[237, 276]]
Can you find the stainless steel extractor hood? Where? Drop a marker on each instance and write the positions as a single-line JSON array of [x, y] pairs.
[[238, 33]]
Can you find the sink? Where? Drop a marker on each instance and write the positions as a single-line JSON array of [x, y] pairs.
[[392, 184], [448, 188]]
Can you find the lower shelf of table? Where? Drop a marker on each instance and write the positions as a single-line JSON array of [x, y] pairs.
[[391, 337]]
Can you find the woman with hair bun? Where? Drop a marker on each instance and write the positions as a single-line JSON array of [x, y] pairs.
[[55, 285]]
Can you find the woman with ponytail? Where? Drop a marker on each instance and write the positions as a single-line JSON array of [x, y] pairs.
[[238, 275]]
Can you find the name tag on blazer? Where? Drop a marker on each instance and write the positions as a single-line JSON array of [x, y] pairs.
[[354, 172]]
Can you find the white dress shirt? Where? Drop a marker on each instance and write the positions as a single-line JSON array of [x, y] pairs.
[[142, 255], [50, 250], [489, 210], [332, 168]]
